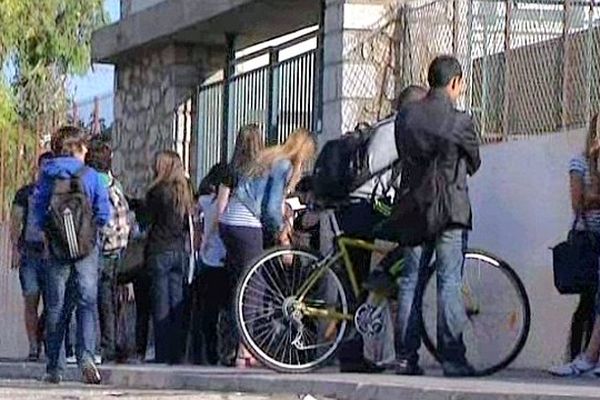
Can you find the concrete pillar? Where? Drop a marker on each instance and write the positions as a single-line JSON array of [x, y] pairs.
[[346, 79], [151, 90]]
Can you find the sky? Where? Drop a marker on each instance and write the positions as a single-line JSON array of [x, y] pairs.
[[99, 79]]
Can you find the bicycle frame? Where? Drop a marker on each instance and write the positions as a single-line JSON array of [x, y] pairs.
[[340, 252]]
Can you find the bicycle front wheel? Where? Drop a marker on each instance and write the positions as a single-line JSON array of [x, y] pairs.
[[291, 310], [497, 308]]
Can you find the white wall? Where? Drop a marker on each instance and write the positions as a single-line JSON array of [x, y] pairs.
[[522, 207]]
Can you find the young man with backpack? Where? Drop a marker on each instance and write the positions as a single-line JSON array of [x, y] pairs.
[[29, 256], [439, 148], [71, 206], [362, 170], [114, 238]]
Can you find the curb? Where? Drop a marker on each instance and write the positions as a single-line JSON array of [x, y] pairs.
[[333, 385]]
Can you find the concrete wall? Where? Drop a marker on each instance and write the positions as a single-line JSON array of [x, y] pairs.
[[132, 6], [522, 207], [346, 80]]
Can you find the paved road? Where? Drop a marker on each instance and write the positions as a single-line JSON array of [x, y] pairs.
[[34, 390]]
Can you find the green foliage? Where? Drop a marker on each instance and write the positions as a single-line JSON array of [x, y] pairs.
[[43, 42]]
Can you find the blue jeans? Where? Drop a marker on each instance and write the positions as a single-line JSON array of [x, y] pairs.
[[449, 250], [168, 305], [32, 271], [68, 285]]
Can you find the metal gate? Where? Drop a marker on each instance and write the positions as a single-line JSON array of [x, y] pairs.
[[280, 96]]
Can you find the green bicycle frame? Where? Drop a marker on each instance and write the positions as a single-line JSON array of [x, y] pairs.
[[343, 245]]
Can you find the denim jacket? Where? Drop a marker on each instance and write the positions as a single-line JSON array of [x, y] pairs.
[[264, 195]]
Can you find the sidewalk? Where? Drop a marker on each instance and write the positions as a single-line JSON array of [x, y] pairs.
[[507, 386]]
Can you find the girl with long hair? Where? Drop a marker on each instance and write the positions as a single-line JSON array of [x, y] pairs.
[[585, 201], [248, 145], [256, 206], [169, 203]]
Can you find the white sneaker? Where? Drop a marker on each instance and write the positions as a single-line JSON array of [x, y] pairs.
[[98, 359], [578, 366], [71, 360], [596, 370]]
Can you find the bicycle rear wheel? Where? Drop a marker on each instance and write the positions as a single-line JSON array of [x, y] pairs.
[[498, 313], [283, 331]]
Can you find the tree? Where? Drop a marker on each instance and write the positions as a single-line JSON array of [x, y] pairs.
[[41, 43], [44, 41]]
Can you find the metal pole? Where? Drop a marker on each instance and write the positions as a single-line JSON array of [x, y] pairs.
[[566, 64], [588, 62], [507, 69], [229, 71], [317, 96], [406, 67], [455, 26], [484, 73], [469, 74], [273, 99]]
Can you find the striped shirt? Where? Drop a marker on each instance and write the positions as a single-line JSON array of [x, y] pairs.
[[580, 166], [237, 214]]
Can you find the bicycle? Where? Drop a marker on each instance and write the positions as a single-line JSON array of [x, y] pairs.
[[294, 306]]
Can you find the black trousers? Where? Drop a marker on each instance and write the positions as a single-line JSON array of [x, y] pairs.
[[143, 303], [211, 294], [582, 323], [357, 221], [107, 307], [243, 245]]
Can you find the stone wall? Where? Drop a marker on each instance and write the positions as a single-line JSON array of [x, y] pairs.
[[151, 86]]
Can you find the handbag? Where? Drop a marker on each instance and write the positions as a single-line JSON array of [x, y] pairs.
[[420, 214], [575, 261]]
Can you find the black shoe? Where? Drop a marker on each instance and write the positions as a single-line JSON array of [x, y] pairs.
[[379, 281], [361, 367], [407, 368], [90, 373], [458, 370], [52, 377]]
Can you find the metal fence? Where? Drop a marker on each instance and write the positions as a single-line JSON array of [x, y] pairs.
[[531, 66], [279, 97]]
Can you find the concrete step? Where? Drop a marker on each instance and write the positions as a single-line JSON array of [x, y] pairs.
[[513, 385]]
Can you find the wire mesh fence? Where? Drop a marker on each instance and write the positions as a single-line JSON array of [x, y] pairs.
[[531, 66]]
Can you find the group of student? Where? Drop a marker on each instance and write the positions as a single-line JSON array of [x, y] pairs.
[[72, 230], [240, 207]]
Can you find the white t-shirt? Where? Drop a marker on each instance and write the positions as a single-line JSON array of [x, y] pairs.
[[382, 153], [213, 250]]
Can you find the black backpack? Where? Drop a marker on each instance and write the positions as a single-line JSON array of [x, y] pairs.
[[342, 165], [70, 227]]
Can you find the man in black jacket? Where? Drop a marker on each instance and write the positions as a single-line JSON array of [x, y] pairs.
[[428, 130]]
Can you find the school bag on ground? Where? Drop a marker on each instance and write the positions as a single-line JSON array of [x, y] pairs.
[[70, 227], [115, 235]]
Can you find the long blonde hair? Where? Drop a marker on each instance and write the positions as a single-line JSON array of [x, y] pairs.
[[169, 171], [299, 148]]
